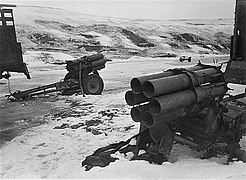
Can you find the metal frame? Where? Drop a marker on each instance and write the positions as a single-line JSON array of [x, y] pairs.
[[11, 59]]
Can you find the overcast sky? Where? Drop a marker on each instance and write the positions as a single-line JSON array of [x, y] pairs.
[[148, 9]]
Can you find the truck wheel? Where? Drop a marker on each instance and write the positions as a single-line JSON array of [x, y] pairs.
[[93, 84]]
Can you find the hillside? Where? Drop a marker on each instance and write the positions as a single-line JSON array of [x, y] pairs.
[[79, 34]]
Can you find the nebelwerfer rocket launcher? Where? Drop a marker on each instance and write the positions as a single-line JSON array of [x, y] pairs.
[[163, 94], [185, 106]]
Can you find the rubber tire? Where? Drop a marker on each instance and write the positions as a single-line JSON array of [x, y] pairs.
[[93, 84]]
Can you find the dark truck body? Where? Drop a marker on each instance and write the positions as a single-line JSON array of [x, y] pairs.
[[236, 68], [11, 59]]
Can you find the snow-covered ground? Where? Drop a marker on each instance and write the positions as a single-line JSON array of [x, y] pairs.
[[79, 125], [76, 126]]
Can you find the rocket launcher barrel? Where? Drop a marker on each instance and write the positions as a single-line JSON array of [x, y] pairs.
[[95, 57], [137, 83], [98, 62], [150, 120], [133, 99], [185, 98], [137, 111], [174, 83], [87, 62], [92, 58]]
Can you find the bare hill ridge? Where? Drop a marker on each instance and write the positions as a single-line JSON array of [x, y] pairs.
[[80, 34]]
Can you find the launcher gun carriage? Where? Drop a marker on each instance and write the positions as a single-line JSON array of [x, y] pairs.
[[82, 76]]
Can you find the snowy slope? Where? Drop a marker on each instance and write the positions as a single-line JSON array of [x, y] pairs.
[[78, 33]]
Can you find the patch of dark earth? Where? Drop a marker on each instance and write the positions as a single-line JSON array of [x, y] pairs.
[[18, 116], [92, 124]]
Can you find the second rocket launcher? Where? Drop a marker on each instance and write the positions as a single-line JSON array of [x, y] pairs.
[[88, 63]]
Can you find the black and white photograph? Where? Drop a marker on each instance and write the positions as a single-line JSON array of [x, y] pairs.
[[123, 89]]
